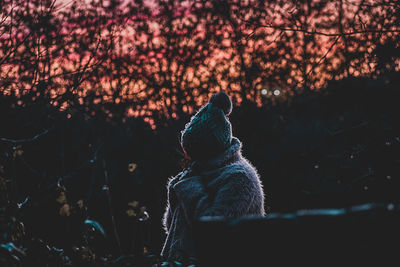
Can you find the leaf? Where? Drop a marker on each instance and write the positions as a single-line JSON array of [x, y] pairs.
[[2, 181], [80, 203], [130, 212], [17, 151], [62, 198], [95, 227], [132, 166], [65, 210], [133, 204]]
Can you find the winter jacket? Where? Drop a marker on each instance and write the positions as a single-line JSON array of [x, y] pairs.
[[227, 185]]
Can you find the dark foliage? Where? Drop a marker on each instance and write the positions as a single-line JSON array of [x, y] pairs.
[[93, 97], [329, 149]]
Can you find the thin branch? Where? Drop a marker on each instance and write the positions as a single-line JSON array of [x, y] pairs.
[[325, 55], [91, 67], [26, 140], [314, 32], [107, 190], [15, 48]]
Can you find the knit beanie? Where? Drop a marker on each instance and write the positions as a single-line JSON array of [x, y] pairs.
[[209, 132]]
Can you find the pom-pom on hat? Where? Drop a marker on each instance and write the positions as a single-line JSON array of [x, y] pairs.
[[222, 101], [209, 132]]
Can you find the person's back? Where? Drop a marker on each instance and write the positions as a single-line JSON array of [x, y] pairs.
[[219, 182]]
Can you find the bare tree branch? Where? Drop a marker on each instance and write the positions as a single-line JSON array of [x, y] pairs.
[[314, 32], [25, 140]]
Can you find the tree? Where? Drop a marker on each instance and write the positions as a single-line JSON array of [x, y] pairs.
[[165, 58]]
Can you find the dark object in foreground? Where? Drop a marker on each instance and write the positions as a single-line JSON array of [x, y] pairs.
[[357, 235]]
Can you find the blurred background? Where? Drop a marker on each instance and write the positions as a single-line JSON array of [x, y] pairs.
[[94, 94]]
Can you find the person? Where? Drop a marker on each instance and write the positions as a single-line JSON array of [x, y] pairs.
[[218, 182]]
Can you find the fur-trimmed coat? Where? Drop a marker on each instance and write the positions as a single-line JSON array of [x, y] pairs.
[[227, 185]]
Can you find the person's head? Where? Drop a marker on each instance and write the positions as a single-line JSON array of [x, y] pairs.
[[209, 132]]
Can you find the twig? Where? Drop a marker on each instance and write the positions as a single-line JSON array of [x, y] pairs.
[[26, 140], [30, 168], [107, 190], [322, 58], [93, 161], [43, 192], [314, 32]]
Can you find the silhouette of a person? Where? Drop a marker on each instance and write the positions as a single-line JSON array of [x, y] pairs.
[[218, 182]]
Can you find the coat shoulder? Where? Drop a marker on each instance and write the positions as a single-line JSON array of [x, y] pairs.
[[174, 179], [241, 166]]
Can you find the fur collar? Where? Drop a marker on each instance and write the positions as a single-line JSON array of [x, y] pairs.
[[231, 154]]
